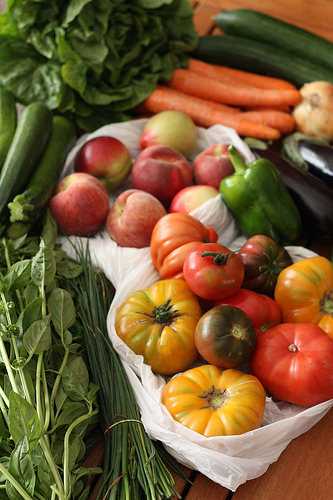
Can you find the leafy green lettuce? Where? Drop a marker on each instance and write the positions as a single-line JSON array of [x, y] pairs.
[[93, 59]]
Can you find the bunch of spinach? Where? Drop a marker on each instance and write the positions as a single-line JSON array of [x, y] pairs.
[[47, 402], [94, 59]]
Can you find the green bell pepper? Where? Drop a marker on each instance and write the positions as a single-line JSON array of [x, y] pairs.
[[259, 201]]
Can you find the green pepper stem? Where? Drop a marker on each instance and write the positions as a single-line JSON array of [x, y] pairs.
[[236, 159], [219, 258]]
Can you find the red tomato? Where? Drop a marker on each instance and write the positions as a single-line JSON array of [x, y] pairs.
[[262, 310], [294, 362], [213, 272]]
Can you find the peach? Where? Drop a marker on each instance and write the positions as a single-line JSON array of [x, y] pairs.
[[132, 218], [192, 197], [173, 129], [162, 172], [212, 165], [106, 158], [80, 204]]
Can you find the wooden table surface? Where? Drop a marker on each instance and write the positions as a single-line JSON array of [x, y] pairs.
[[304, 470]]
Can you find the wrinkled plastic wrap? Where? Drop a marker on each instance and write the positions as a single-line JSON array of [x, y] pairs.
[[230, 460]]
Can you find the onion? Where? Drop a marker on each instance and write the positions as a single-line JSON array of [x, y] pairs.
[[314, 115]]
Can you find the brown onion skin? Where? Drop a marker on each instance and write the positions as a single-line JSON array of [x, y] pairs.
[[263, 259]]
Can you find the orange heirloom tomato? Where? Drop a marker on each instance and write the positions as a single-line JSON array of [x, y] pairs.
[[159, 323], [304, 292], [174, 237], [214, 402]]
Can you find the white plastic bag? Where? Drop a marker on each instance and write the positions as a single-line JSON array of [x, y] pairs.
[[231, 460]]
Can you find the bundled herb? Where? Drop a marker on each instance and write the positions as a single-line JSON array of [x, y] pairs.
[[47, 402], [134, 466], [95, 59]]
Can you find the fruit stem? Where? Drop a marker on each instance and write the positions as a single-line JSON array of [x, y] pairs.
[[292, 348], [165, 314], [326, 305], [215, 397], [219, 258], [237, 160]]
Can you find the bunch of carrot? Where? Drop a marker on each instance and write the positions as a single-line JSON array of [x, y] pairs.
[[254, 105]]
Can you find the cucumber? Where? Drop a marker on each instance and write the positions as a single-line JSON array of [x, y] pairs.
[[257, 57], [8, 119], [263, 28], [31, 136], [26, 206]]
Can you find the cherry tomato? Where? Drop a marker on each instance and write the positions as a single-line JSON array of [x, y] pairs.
[[213, 272]]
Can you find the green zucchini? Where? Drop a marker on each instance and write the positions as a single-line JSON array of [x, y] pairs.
[[8, 120], [26, 206], [262, 28], [258, 57], [31, 136]]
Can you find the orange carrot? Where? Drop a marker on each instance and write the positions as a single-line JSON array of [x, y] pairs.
[[143, 111], [281, 107], [206, 113], [214, 72], [283, 122], [246, 78], [201, 86], [219, 73]]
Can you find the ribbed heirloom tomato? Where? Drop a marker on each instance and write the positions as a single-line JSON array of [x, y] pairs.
[[213, 272], [159, 323], [174, 237], [304, 292], [214, 402], [294, 362]]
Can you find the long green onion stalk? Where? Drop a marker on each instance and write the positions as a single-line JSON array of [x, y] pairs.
[[134, 465]]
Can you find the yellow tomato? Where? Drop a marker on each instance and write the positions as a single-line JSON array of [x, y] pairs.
[[159, 323], [214, 402], [304, 292]]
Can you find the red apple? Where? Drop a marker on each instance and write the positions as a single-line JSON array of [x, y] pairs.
[[132, 218], [106, 158], [173, 129], [162, 172], [212, 165], [192, 197], [80, 204]]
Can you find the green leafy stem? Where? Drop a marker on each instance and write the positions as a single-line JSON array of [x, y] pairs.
[[29, 411], [7, 475]]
